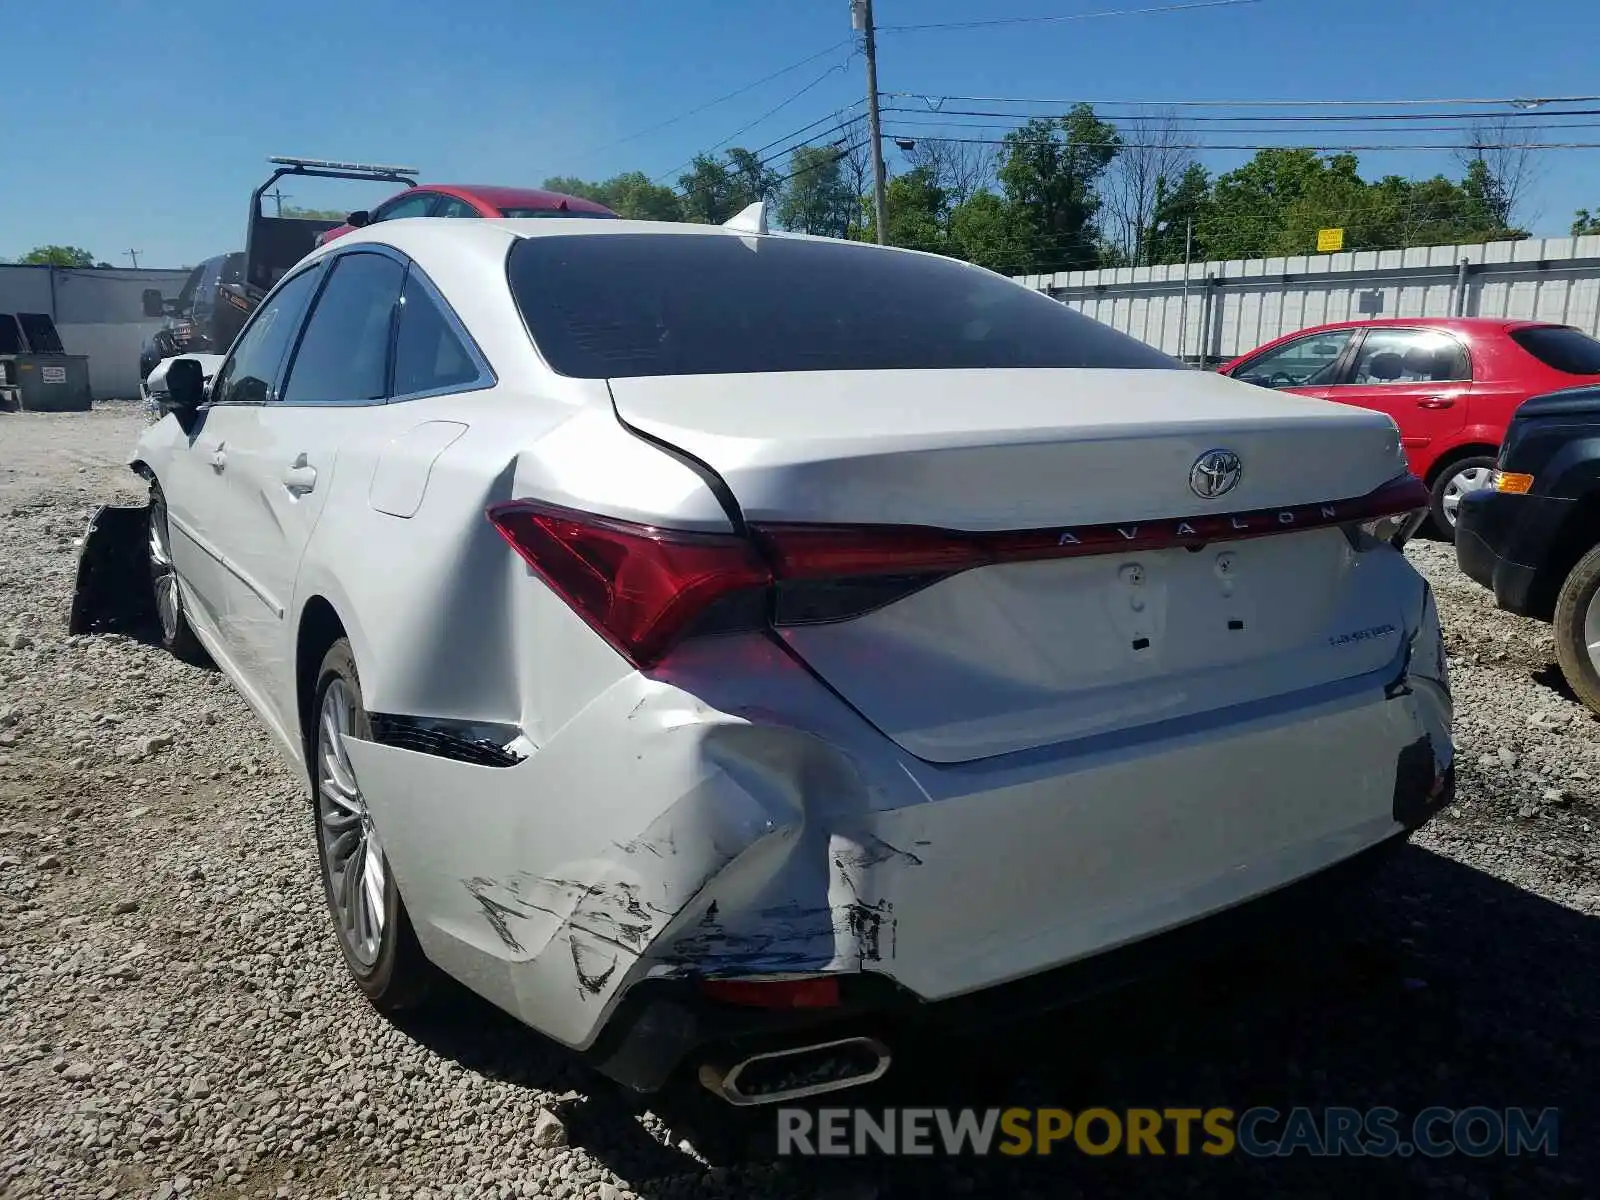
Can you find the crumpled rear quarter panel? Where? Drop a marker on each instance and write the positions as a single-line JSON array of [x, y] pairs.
[[732, 816]]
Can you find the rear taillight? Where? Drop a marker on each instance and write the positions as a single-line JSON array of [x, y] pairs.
[[639, 587], [1394, 515], [645, 588]]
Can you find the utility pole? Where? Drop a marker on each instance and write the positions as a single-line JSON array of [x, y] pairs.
[[134, 255], [278, 196], [861, 19]]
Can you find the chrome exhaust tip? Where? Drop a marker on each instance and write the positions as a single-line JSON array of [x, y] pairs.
[[795, 1073]]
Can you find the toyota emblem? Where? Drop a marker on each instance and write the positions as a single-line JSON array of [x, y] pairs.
[[1215, 473]]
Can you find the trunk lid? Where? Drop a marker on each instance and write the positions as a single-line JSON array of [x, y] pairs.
[[1015, 655]]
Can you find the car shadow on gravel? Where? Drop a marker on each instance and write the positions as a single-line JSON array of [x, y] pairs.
[[1550, 676], [1442, 986]]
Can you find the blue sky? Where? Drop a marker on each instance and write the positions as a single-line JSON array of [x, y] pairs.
[[147, 124]]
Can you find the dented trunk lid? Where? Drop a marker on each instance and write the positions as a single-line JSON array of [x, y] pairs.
[[1018, 655]]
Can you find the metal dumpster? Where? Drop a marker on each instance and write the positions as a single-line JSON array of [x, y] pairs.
[[36, 373]]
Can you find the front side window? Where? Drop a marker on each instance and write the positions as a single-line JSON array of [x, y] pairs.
[[428, 356], [1305, 362], [247, 376], [1409, 356], [416, 204], [343, 357], [450, 206], [1561, 347], [609, 306]]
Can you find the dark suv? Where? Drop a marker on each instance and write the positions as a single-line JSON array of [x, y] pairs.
[[1533, 535], [201, 319]]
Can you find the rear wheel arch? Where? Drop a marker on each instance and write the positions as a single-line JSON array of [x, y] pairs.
[[320, 627], [1455, 454], [1579, 533]]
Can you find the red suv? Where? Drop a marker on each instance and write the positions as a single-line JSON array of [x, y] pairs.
[[465, 200], [1451, 384]]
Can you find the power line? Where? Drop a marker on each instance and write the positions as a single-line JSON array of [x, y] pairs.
[[835, 115], [1515, 101], [991, 22], [1278, 132], [1522, 120], [795, 66], [764, 116], [1252, 146]]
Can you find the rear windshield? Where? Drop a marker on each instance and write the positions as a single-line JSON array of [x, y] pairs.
[[711, 304], [1561, 348]]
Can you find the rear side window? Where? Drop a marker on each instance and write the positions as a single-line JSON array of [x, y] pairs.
[[428, 356], [343, 356], [604, 306], [555, 212], [1561, 348]]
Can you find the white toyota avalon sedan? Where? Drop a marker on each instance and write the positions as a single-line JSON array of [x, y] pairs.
[[724, 649]]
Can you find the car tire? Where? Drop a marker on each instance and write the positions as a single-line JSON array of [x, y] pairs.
[[1453, 482], [166, 597], [1577, 627], [370, 921]]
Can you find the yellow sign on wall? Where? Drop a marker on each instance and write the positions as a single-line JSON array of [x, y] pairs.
[[1330, 241]]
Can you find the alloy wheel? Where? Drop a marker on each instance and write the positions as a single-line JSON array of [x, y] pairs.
[[1472, 479], [349, 843], [163, 578]]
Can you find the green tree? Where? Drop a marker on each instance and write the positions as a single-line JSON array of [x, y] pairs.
[[710, 193], [313, 214], [914, 207], [715, 189], [817, 199], [1585, 223], [630, 195], [1179, 210], [1253, 208], [1049, 171], [985, 229], [752, 180], [58, 256], [571, 185]]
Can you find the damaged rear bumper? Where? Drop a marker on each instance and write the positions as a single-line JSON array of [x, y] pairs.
[[663, 1025], [740, 820]]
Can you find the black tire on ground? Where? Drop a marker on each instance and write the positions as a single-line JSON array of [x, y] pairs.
[[1442, 524], [176, 634], [399, 978], [1572, 649]]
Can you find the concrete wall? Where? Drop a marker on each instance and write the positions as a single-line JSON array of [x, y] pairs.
[[1255, 300], [98, 312]]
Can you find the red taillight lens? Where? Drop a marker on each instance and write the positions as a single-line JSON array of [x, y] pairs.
[[644, 588], [639, 587], [822, 992]]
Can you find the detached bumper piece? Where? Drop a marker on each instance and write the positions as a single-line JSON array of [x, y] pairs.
[[112, 593]]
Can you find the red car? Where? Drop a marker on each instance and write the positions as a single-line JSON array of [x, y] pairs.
[[1451, 384], [470, 200]]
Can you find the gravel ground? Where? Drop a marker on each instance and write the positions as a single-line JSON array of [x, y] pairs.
[[174, 1020]]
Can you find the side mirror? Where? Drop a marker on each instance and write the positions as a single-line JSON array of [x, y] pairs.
[[186, 390], [154, 305], [359, 219]]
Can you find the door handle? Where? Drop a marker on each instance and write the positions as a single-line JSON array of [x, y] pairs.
[[219, 457], [1436, 402], [299, 478]]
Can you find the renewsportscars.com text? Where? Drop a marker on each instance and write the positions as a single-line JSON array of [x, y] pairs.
[[1257, 1132]]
